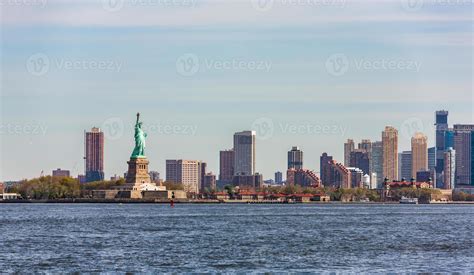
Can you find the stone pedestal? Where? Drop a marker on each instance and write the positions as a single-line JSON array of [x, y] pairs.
[[137, 172]]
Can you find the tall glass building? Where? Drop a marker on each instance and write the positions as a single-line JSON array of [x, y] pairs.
[[244, 153]]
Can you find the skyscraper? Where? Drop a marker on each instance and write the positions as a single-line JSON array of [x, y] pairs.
[[449, 138], [348, 148], [419, 153], [405, 169], [441, 123], [302, 177], [390, 153], [464, 147], [202, 174], [94, 155], [339, 175], [359, 158], [278, 177], [432, 158], [186, 172], [295, 158], [449, 168], [366, 145], [244, 153], [377, 161], [357, 176], [226, 166], [325, 168]]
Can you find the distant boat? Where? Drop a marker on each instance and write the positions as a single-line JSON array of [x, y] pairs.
[[405, 200]]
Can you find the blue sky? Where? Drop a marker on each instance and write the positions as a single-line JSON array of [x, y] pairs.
[[313, 72]]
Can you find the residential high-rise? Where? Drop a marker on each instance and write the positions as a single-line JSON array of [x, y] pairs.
[[348, 148], [325, 168], [432, 158], [244, 153], [377, 162], [359, 158], [209, 182], [441, 123], [449, 138], [357, 177], [186, 172], [278, 177], [366, 145], [405, 165], [449, 168], [302, 177], [339, 175], [226, 166], [464, 147], [202, 174], [295, 158], [390, 153], [94, 155], [419, 153]]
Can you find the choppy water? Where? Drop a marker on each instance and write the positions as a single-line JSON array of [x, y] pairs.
[[236, 238]]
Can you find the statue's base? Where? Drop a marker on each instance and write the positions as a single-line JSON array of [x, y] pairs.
[[137, 172]]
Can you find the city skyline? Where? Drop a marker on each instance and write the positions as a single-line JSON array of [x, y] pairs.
[[360, 148], [182, 136], [64, 73]]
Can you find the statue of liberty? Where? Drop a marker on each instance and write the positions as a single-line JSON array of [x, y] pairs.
[[139, 150]]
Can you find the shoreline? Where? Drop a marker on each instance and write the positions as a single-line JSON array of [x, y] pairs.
[[142, 201]]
